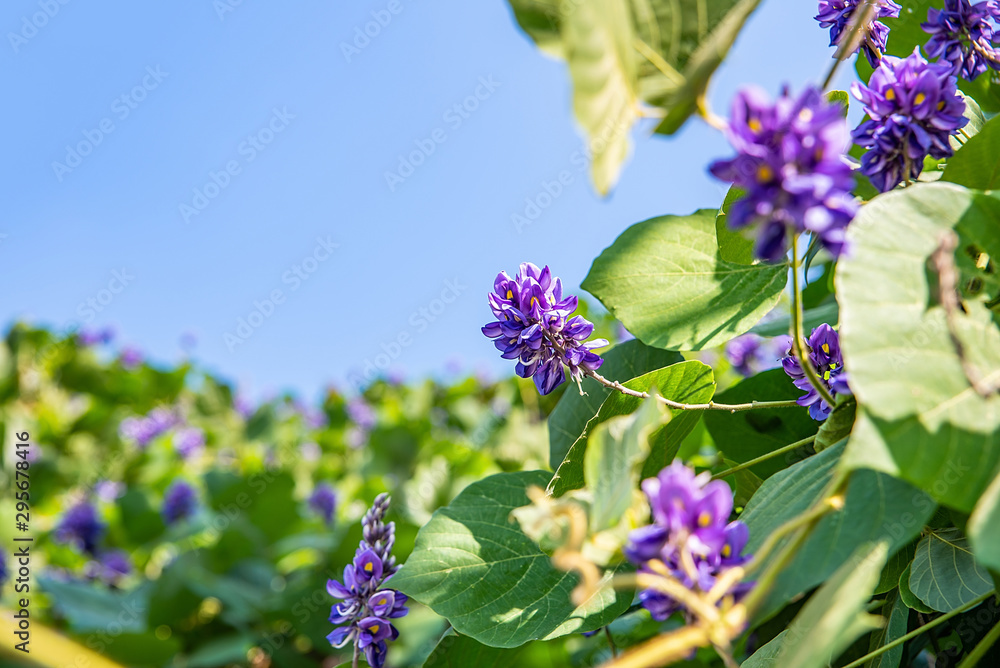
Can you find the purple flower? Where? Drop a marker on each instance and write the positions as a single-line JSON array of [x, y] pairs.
[[244, 407], [81, 526], [323, 501], [750, 354], [96, 337], [4, 573], [533, 326], [109, 490], [824, 353], [691, 534], [364, 613], [790, 161], [962, 34], [130, 357], [110, 567], [179, 502], [361, 413], [913, 108], [189, 441], [837, 15], [142, 430]]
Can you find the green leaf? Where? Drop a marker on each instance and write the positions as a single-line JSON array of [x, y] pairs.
[[828, 312], [611, 464], [686, 382], [734, 246], [834, 616], [692, 37], [749, 434], [766, 656], [221, 651], [838, 426], [922, 420], [877, 507], [975, 165], [840, 97], [894, 568], [944, 574], [896, 614], [136, 650], [87, 606], [664, 279], [625, 361], [908, 597], [474, 566], [458, 651], [597, 42], [984, 527]]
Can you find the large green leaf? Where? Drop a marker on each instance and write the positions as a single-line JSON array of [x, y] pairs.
[[835, 615], [766, 656], [458, 651], [473, 565], [597, 41], [944, 574], [686, 382], [984, 527], [975, 165], [749, 434], [908, 597], [921, 420], [896, 615], [877, 507], [625, 361], [88, 606], [665, 280]]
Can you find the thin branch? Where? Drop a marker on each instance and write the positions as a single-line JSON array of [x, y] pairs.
[[857, 32], [916, 632], [798, 338], [943, 260], [763, 458]]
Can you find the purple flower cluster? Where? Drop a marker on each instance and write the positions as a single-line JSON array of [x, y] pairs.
[[691, 535], [790, 161], [363, 417], [962, 34], [533, 326], [323, 501], [189, 441], [142, 430], [130, 357], [95, 337], [110, 567], [81, 526], [179, 502], [913, 108], [838, 14], [824, 353], [750, 354], [4, 573], [367, 609]]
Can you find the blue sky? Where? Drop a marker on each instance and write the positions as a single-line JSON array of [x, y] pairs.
[[239, 166]]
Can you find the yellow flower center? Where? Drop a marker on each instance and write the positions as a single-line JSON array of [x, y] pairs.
[[940, 105], [826, 375], [826, 348], [919, 99], [726, 550], [764, 173], [704, 519], [374, 628], [754, 125], [368, 567], [890, 94]]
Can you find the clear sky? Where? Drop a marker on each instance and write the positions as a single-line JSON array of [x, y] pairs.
[[239, 151]]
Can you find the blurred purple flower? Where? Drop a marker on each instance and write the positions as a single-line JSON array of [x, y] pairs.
[[790, 161], [81, 526], [110, 567], [750, 354], [179, 502], [323, 501], [310, 452], [130, 357], [108, 490], [142, 430], [361, 413], [189, 441], [95, 337]]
